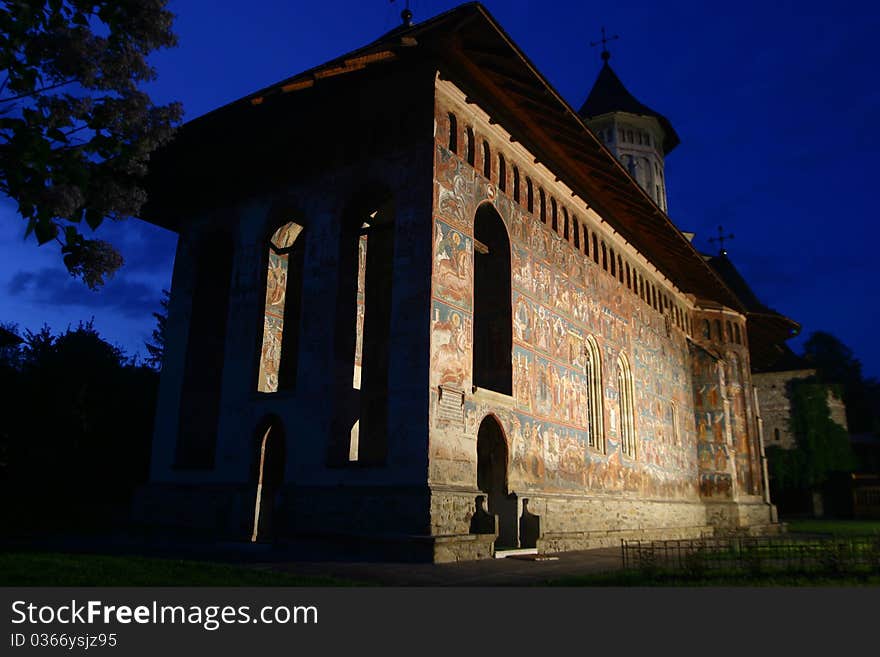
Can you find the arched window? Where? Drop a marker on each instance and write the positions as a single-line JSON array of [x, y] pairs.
[[718, 332], [737, 334], [613, 262], [595, 249], [493, 318], [542, 206], [530, 195], [471, 146], [628, 279], [595, 414], [363, 329], [627, 410], [619, 268], [565, 227], [502, 173], [673, 418], [453, 133], [281, 311], [706, 330], [487, 160], [729, 331], [554, 215], [576, 229], [776, 435], [205, 354], [516, 184], [604, 256]]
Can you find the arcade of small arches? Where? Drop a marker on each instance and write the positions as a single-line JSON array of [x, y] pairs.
[[577, 232]]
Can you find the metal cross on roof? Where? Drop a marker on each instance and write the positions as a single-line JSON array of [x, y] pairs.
[[605, 54], [720, 239]]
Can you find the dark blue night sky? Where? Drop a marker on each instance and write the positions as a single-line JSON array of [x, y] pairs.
[[777, 106]]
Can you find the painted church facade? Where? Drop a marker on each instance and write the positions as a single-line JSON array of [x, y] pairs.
[[438, 323]]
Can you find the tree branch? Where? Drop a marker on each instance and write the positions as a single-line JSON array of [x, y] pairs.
[[37, 91]]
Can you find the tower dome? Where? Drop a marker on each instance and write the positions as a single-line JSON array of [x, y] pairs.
[[637, 135]]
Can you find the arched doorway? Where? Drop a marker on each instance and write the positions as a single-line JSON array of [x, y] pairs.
[[268, 476], [493, 315], [492, 480]]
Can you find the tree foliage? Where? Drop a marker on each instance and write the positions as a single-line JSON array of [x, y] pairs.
[[76, 431], [156, 348], [822, 445], [76, 129], [835, 363]]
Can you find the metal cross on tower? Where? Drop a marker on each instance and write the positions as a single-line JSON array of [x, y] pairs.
[[605, 54], [720, 239]]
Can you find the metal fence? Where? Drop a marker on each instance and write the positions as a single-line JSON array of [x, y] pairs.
[[755, 554]]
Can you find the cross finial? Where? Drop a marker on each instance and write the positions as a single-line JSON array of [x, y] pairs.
[[406, 15], [720, 239], [605, 54]]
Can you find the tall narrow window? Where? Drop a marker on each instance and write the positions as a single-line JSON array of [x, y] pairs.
[[613, 262], [487, 160], [673, 417], [627, 411], [604, 256], [453, 133], [718, 332], [705, 329], [471, 146], [565, 227], [530, 195], [542, 209], [516, 184], [628, 279], [736, 334], [619, 268], [502, 173], [729, 331], [554, 216], [363, 330], [206, 343], [595, 249], [576, 229], [595, 413], [279, 352], [493, 318]]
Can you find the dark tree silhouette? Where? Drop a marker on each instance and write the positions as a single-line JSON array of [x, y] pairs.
[[76, 130], [76, 432], [156, 348]]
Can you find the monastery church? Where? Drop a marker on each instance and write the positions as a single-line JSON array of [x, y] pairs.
[[418, 299]]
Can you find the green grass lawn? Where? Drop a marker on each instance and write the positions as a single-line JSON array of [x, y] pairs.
[[832, 526], [55, 569]]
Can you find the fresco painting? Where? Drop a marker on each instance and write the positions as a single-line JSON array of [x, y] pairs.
[[451, 346], [558, 298], [273, 317], [453, 266]]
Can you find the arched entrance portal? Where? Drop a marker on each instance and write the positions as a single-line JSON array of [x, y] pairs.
[[269, 475], [492, 480]]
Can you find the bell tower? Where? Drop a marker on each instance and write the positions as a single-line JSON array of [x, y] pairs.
[[637, 135]]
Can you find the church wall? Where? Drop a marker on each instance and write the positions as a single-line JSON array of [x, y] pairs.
[[723, 333], [388, 147], [560, 296]]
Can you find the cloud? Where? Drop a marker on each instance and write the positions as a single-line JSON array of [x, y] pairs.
[[55, 287]]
